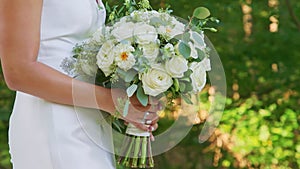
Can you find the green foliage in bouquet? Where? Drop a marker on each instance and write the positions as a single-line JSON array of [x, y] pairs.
[[150, 53], [85, 53]]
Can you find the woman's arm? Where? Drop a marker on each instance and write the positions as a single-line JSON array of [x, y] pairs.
[[19, 45]]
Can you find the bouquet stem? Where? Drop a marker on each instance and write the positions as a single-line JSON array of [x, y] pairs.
[[136, 152]]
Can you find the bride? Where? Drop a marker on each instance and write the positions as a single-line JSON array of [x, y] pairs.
[[48, 126]]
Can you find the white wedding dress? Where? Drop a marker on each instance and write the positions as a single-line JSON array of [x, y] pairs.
[[45, 135]]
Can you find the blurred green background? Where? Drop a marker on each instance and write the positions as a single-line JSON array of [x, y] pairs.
[[259, 44]]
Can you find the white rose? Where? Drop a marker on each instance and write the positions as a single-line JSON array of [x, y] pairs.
[[121, 22], [123, 31], [124, 57], [198, 39], [176, 66], [105, 57], [145, 33], [199, 74], [156, 81], [150, 51]]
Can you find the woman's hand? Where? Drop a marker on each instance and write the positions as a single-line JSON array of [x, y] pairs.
[[143, 117]]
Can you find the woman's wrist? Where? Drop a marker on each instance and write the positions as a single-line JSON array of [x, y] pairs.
[[109, 100]]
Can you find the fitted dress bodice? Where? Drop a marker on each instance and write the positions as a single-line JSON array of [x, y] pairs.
[[65, 23]]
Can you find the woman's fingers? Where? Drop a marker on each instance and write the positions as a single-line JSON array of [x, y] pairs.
[[143, 117], [154, 105], [151, 118], [153, 127], [141, 126], [149, 128]]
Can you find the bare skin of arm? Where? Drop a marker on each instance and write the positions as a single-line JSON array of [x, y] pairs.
[[19, 45]]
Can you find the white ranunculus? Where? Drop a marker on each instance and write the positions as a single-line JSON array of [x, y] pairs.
[[156, 81], [198, 39], [178, 29], [176, 66], [150, 51], [145, 33], [164, 30], [123, 31], [194, 53], [105, 57], [199, 74], [172, 30], [124, 57]]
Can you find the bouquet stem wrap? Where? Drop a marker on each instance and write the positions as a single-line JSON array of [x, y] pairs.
[[136, 151]]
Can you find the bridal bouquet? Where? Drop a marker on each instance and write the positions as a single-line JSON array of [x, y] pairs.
[[152, 54]]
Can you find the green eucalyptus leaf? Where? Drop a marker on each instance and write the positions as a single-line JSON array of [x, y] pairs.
[[187, 74], [201, 13], [188, 87], [121, 73], [142, 97], [182, 87], [184, 50], [130, 75], [186, 37], [131, 90], [126, 108], [201, 54], [198, 39]]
